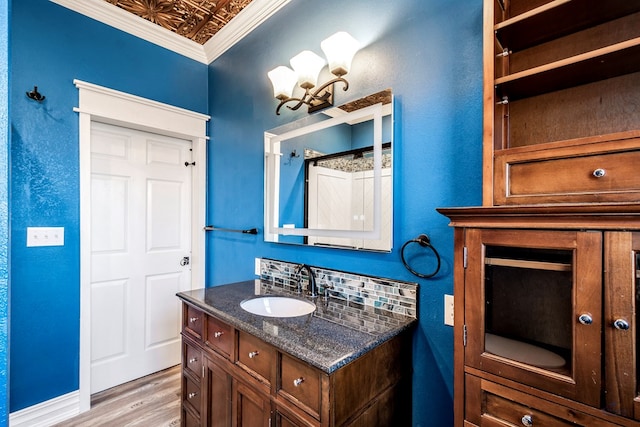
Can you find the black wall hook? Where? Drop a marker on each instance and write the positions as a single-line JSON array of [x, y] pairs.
[[35, 95]]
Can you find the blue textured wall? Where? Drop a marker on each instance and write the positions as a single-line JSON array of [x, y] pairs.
[[51, 46], [430, 53], [4, 210]]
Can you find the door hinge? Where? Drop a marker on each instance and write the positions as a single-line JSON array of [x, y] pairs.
[[189, 163], [464, 256], [464, 335]]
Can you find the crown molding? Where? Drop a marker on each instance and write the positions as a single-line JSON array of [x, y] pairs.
[[245, 22]]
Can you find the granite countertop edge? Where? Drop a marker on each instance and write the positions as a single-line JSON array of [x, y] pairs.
[[290, 347]]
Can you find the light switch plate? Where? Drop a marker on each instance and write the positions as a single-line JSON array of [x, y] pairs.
[[448, 310], [45, 236]]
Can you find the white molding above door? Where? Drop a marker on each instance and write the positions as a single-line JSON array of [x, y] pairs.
[[100, 104]]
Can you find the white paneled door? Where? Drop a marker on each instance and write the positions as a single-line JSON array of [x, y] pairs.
[[140, 248]]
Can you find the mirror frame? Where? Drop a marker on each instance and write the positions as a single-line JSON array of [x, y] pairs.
[[272, 149]]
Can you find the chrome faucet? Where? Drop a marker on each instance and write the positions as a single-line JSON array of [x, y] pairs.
[[312, 288]]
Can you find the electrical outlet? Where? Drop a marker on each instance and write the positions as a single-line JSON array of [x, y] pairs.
[[256, 269], [448, 310]]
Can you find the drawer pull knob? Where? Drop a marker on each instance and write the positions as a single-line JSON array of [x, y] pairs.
[[298, 381], [193, 360], [217, 334], [599, 173], [192, 395], [527, 420], [621, 324], [585, 319], [193, 319], [253, 354]]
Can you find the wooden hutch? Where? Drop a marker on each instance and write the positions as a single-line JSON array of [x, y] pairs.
[[547, 271]]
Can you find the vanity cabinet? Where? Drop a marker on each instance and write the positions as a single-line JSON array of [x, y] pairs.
[[561, 84], [233, 378], [548, 328]]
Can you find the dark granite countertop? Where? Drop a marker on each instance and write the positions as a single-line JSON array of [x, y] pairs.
[[329, 338]]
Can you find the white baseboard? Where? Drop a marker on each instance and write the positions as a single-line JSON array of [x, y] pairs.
[[47, 413]]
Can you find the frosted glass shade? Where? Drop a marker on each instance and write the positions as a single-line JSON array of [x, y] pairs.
[[339, 50], [283, 80], [307, 66]]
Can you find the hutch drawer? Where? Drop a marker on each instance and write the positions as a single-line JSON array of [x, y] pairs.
[[499, 405], [601, 172]]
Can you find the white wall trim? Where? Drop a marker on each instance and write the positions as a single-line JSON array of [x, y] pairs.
[[246, 21], [47, 413], [100, 104]]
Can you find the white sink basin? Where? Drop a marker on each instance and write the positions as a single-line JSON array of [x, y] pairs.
[[277, 306]]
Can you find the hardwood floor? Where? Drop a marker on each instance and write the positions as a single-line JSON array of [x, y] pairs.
[[151, 401]]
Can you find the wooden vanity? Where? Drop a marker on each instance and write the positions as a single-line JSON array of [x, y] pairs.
[[241, 369]]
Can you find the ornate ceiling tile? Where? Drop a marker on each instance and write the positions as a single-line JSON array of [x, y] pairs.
[[197, 20]]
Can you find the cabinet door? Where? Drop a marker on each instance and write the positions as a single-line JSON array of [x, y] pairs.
[[622, 290], [250, 408], [533, 304], [218, 404]]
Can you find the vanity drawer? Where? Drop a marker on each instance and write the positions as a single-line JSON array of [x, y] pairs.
[[191, 394], [595, 173], [301, 384], [499, 405], [191, 359], [256, 356], [192, 321], [219, 336]]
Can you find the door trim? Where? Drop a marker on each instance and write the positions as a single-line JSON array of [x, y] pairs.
[[100, 104]]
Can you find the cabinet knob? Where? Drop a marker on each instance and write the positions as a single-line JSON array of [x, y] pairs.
[[193, 360], [253, 354], [298, 381], [621, 324], [527, 420], [192, 395], [599, 173], [193, 319], [585, 319], [217, 334]]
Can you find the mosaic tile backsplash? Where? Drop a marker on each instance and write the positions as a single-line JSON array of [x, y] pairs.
[[380, 294]]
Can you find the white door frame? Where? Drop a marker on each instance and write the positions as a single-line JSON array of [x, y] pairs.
[[100, 104]]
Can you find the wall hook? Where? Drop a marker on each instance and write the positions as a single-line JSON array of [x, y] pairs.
[[35, 95]]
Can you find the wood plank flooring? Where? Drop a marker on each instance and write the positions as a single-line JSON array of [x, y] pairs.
[[151, 401]]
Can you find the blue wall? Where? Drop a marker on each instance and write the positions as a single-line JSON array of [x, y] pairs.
[[4, 211], [430, 53], [51, 46]]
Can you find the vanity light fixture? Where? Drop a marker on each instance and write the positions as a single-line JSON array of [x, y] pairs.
[[339, 50]]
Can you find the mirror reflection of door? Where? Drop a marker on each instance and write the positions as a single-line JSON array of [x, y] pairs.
[[339, 194]]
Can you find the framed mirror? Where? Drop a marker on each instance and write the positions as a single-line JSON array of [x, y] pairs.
[[329, 177]]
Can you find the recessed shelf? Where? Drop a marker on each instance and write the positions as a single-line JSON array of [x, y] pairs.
[[558, 18], [610, 61]]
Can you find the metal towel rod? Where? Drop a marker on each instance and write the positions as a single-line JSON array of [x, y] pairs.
[[231, 230]]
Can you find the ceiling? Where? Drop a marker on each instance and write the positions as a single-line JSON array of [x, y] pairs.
[[198, 29], [197, 20]]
